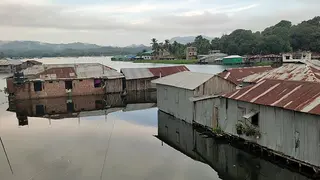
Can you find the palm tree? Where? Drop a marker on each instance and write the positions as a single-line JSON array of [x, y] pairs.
[[166, 44], [155, 46]]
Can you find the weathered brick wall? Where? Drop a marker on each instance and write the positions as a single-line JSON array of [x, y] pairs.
[[22, 91], [86, 103], [86, 87], [10, 86], [57, 89]]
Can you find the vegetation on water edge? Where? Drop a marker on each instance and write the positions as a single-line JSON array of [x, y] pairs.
[[181, 61]]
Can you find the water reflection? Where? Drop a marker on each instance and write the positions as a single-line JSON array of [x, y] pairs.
[[228, 161], [81, 106]]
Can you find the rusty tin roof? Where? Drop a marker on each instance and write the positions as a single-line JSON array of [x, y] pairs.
[[235, 75], [307, 71], [71, 71], [140, 73], [299, 96], [166, 71]]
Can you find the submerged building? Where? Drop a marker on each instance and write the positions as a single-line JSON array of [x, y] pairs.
[[282, 116], [226, 159], [174, 91], [58, 80]]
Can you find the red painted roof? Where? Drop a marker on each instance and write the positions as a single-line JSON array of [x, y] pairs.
[[166, 71], [299, 96], [57, 73], [236, 74]]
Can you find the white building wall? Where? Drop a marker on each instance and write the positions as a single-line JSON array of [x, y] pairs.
[[175, 101], [292, 133]]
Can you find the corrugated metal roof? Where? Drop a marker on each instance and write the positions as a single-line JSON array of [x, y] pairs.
[[136, 73], [233, 56], [99, 112], [308, 71], [10, 62], [166, 71], [186, 80], [83, 70], [58, 73], [235, 75], [201, 98], [299, 96], [139, 106]]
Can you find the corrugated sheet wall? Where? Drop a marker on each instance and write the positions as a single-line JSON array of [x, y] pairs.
[[233, 163], [292, 133], [215, 85], [114, 85], [204, 111], [175, 101]]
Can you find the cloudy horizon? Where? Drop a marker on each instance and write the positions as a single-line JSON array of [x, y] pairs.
[[125, 22]]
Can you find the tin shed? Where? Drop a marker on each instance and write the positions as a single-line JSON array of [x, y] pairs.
[[284, 116], [140, 78], [174, 91]]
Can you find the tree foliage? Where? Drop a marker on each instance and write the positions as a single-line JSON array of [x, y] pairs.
[[282, 37]]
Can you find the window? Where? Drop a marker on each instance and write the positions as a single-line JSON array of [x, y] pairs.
[[80, 80], [40, 111], [287, 57], [97, 83], [68, 84], [37, 86], [50, 81], [255, 120]]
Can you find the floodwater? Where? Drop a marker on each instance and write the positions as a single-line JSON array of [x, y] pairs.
[[116, 138]]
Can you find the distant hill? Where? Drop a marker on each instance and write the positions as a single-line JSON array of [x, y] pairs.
[[40, 49], [186, 39]]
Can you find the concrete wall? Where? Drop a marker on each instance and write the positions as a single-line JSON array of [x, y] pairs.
[[206, 112], [292, 133], [175, 101], [215, 85]]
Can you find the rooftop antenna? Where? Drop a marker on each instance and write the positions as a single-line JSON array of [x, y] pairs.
[[5, 152]]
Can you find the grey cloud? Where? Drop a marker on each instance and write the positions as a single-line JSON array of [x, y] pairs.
[[41, 19]]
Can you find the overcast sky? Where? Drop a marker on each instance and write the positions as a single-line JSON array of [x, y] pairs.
[[125, 22]]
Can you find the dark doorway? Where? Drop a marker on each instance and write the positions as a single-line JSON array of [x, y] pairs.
[[70, 107], [255, 120], [37, 85], [68, 84], [40, 111], [124, 85]]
